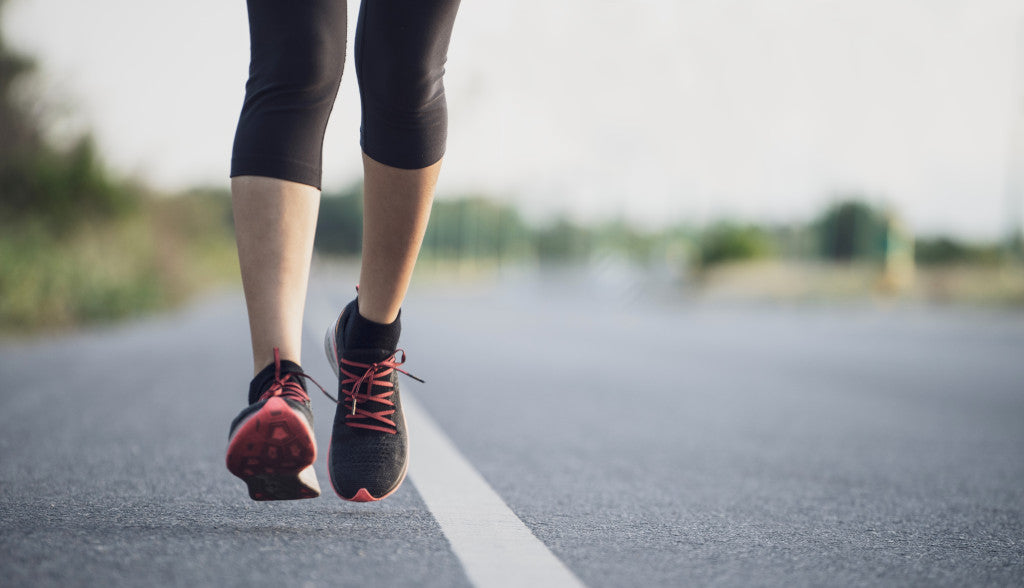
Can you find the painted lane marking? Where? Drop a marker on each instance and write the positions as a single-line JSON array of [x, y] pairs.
[[495, 547]]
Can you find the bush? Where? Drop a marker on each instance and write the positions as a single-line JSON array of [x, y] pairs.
[[947, 251], [111, 269], [473, 227], [852, 230], [726, 242], [563, 241], [62, 189], [339, 228]]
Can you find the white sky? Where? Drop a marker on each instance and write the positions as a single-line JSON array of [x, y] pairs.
[[662, 110]]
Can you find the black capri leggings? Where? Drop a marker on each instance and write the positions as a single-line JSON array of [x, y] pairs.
[[297, 58]]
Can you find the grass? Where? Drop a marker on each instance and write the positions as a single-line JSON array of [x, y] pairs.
[[103, 270], [1000, 285]]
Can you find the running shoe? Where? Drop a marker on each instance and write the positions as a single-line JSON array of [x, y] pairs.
[[271, 445], [369, 452]]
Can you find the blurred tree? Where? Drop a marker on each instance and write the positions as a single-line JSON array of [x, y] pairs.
[[564, 241], [946, 250], [18, 127], [61, 188], [619, 235], [795, 241], [726, 241], [339, 228], [852, 229], [56, 187], [475, 227]]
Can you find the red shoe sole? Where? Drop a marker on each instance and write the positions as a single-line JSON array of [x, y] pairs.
[[273, 453]]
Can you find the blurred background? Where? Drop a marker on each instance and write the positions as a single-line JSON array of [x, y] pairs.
[[795, 150]]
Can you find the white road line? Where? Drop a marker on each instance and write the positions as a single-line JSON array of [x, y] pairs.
[[496, 549]]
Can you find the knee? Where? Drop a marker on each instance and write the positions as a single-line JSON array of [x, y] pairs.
[[401, 49], [399, 84], [405, 115], [307, 72]]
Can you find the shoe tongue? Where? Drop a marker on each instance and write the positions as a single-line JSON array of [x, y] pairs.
[[265, 378]]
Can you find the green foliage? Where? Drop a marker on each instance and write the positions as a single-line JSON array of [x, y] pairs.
[[62, 189], [947, 251], [79, 245], [797, 241], [726, 242], [563, 241], [475, 227], [112, 269], [45, 283], [53, 188], [19, 127], [339, 228], [852, 229], [618, 235], [461, 228]]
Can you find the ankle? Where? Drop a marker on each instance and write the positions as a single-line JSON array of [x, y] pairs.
[[261, 361], [381, 314], [267, 375], [361, 332]]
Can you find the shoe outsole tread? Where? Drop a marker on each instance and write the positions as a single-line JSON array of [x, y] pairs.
[[273, 452]]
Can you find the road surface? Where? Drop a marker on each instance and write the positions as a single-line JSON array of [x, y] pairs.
[[639, 441]]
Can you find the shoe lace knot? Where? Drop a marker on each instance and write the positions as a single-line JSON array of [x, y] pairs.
[[364, 384], [286, 385]]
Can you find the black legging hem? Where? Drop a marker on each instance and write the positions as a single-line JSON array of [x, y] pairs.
[[277, 168], [300, 173], [410, 164]]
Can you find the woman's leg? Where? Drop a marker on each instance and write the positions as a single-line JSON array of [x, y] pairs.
[[401, 46], [275, 221], [396, 209], [298, 51], [400, 51], [297, 58]]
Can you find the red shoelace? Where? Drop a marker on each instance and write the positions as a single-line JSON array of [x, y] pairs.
[[287, 385], [359, 388]]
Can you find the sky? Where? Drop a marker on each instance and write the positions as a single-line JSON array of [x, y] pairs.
[[662, 111]]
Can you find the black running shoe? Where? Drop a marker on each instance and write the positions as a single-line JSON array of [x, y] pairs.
[[369, 452], [271, 445]]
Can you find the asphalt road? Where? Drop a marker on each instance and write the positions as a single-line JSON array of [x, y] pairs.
[[645, 442]]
